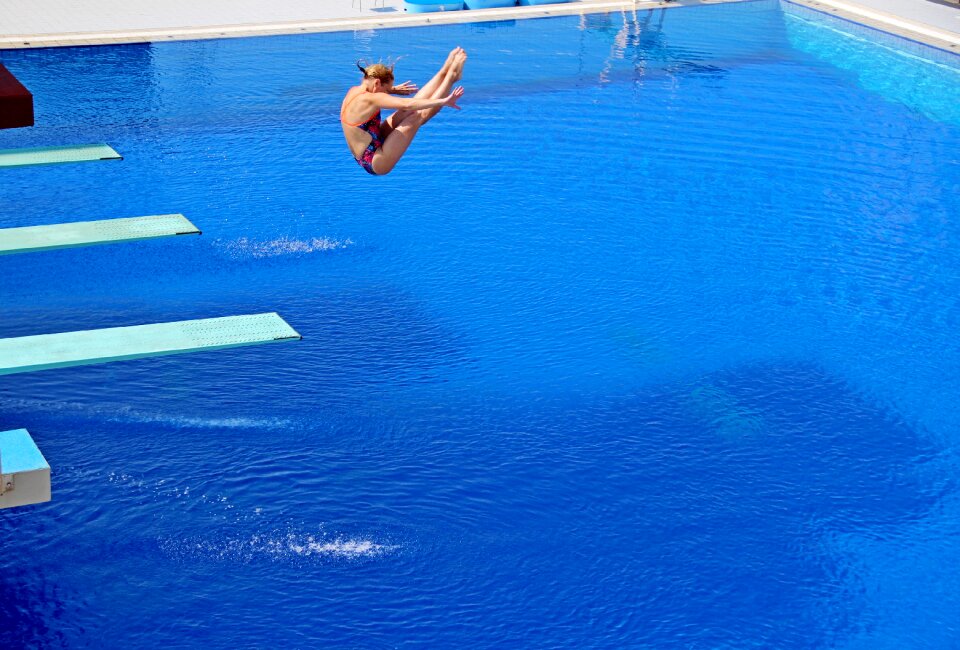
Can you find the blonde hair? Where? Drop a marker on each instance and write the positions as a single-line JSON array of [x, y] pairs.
[[378, 71]]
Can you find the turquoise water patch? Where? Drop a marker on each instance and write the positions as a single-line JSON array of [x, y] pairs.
[[918, 77]]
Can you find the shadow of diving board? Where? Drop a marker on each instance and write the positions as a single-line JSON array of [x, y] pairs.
[[44, 351], [88, 233], [57, 155]]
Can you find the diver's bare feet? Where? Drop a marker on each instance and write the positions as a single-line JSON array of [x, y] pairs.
[[450, 58], [457, 65]]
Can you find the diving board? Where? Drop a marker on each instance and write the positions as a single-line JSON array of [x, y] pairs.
[[44, 351], [24, 472], [88, 233], [57, 155]]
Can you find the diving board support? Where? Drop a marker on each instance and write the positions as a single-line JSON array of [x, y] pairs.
[[57, 155], [87, 233], [16, 102], [24, 472], [45, 351]]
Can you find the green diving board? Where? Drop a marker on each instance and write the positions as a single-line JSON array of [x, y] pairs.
[[24, 472], [57, 155], [44, 351], [88, 233]]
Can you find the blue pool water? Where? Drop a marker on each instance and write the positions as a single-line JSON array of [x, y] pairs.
[[652, 346]]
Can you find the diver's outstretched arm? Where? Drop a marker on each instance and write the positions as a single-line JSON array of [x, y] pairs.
[[383, 100]]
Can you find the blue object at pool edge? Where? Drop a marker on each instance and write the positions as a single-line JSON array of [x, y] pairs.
[[421, 6], [489, 4]]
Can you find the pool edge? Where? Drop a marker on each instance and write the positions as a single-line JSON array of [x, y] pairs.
[[28, 41], [845, 9], [885, 22]]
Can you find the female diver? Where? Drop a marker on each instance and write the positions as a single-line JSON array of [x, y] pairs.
[[377, 145]]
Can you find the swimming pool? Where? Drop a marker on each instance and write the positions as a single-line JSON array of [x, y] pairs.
[[653, 345]]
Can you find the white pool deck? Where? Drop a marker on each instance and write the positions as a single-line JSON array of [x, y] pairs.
[[54, 23]]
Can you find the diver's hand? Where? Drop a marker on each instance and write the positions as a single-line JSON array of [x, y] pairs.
[[453, 97], [406, 88]]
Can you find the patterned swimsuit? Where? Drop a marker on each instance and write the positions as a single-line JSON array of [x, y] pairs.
[[371, 126]]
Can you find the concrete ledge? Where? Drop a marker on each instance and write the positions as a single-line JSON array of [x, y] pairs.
[[853, 11], [886, 22], [25, 41]]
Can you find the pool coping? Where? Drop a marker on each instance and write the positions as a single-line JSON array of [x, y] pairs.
[[852, 11], [22, 41], [885, 22]]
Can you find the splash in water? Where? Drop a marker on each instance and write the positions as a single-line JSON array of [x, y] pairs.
[[273, 546], [252, 248]]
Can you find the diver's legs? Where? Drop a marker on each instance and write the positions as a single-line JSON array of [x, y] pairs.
[[427, 92], [397, 143], [431, 86], [454, 73], [402, 134]]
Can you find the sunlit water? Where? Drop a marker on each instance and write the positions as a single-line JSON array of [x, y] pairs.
[[654, 345]]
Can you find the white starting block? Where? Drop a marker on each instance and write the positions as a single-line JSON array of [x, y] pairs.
[[24, 472]]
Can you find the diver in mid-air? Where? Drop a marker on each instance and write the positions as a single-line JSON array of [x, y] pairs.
[[378, 145]]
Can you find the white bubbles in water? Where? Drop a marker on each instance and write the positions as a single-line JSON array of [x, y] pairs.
[[235, 534], [252, 248], [125, 414], [274, 546], [310, 545]]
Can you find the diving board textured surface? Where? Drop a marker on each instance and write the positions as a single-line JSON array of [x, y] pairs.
[[57, 155], [24, 472], [87, 233], [43, 351]]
